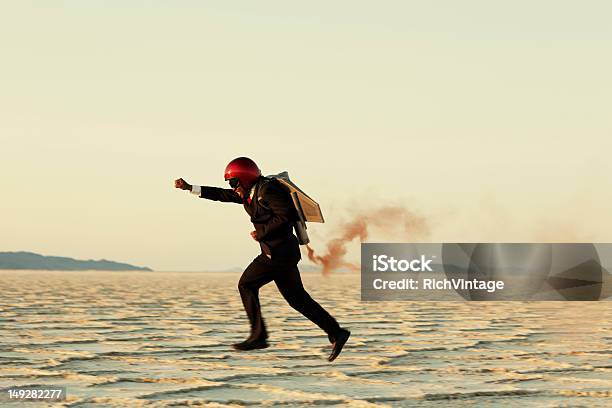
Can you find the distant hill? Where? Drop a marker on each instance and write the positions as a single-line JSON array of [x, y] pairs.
[[30, 260]]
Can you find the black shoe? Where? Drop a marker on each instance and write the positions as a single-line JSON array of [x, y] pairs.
[[251, 345], [341, 339]]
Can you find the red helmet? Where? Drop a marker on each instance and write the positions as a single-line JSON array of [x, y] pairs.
[[243, 169]]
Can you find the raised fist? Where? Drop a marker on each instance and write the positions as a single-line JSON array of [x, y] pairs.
[[182, 184]]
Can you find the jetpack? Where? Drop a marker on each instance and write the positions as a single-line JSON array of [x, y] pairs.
[[308, 210]]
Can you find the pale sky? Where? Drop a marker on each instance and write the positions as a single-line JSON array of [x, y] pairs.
[[493, 117]]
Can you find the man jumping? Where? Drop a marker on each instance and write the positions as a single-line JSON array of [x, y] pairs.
[[272, 213]]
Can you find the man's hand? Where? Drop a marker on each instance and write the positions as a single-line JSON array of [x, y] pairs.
[[254, 235], [182, 184]]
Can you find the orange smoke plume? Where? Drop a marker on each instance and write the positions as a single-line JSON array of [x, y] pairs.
[[385, 219]]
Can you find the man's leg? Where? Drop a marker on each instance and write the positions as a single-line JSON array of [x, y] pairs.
[[289, 283], [257, 274]]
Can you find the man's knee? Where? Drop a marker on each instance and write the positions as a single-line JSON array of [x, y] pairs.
[[243, 284], [247, 283], [298, 299]]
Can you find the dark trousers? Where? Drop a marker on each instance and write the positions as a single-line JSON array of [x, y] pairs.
[[285, 274]]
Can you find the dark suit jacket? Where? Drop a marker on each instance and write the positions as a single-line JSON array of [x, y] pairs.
[[272, 214]]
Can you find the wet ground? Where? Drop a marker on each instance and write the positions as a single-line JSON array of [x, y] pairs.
[[163, 339]]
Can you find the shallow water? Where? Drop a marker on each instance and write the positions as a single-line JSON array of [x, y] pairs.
[[163, 339]]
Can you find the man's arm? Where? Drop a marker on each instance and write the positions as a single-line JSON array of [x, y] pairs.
[[219, 194], [279, 201], [212, 193]]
